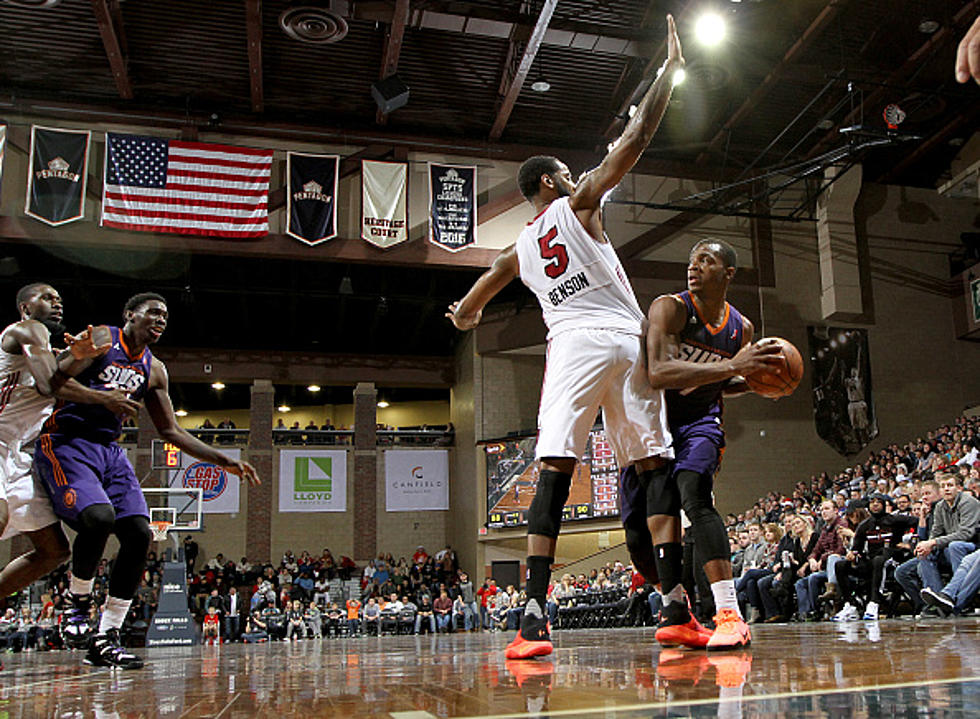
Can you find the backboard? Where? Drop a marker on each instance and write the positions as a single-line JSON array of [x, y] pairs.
[[183, 505]]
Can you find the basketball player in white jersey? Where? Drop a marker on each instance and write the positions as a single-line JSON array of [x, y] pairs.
[[30, 375], [595, 343]]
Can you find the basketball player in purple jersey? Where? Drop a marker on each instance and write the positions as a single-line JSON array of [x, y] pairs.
[[595, 338], [699, 348], [92, 485]]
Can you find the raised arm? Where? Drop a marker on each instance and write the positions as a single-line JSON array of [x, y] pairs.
[[667, 371], [636, 136], [162, 414], [466, 313]]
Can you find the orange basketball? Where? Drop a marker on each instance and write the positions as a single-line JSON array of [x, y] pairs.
[[778, 380]]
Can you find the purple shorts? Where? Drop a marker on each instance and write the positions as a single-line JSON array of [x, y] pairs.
[[78, 473]]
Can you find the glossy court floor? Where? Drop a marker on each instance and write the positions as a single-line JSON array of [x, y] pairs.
[[890, 668]]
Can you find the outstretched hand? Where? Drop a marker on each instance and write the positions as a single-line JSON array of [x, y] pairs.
[[673, 43], [968, 54], [463, 323], [245, 471], [82, 345]]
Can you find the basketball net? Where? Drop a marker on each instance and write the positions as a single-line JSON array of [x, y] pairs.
[[160, 529]]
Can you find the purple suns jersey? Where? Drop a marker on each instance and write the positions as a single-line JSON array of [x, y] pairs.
[[700, 342], [116, 369]]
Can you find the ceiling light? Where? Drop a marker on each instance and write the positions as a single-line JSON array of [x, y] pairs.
[[710, 29], [825, 124], [285, 408], [680, 76], [632, 110], [382, 404], [313, 388], [219, 385], [928, 27], [957, 142], [541, 85], [346, 286], [181, 413]]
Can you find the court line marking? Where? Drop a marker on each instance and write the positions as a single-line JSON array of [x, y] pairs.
[[723, 700], [228, 705]]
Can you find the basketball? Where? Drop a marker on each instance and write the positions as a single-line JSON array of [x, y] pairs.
[[778, 380]]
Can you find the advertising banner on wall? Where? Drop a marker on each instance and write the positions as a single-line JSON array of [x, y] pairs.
[[416, 480], [221, 488], [312, 480]]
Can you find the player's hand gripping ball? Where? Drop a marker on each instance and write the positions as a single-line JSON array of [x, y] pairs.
[[780, 379]]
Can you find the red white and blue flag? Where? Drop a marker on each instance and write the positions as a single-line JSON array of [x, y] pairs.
[[190, 188]]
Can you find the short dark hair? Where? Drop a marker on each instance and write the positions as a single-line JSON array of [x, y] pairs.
[[529, 176], [134, 302], [725, 251], [27, 291]]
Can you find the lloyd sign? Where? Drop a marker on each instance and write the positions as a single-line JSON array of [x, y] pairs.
[[312, 480], [416, 480]]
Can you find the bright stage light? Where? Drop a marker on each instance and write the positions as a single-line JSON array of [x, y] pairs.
[[679, 77], [710, 29]]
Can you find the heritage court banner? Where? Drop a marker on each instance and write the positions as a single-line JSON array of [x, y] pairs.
[[843, 405], [57, 175], [311, 196], [384, 202], [452, 206]]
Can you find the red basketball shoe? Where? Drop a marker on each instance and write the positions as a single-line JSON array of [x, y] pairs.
[[532, 640]]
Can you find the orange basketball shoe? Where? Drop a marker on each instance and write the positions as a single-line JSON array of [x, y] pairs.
[[731, 631], [533, 639]]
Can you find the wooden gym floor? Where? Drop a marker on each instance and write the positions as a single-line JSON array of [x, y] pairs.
[[892, 668]]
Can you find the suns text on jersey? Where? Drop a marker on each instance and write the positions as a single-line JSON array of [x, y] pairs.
[[128, 379], [701, 355], [565, 289]]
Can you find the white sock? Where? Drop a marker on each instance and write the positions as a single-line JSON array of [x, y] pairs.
[[80, 587], [725, 597], [533, 609], [113, 614]]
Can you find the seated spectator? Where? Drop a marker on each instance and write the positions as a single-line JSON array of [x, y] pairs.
[[443, 608], [210, 630], [314, 621], [295, 622], [459, 614], [425, 616], [48, 636], [256, 630], [954, 526], [334, 617], [822, 562], [372, 617], [907, 573]]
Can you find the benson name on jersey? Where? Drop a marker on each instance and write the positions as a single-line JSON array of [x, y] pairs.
[[568, 288]]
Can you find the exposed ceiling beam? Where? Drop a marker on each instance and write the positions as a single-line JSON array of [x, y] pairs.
[[28, 110], [498, 206], [393, 47], [658, 234], [946, 34], [114, 42], [253, 26], [803, 43], [517, 75]]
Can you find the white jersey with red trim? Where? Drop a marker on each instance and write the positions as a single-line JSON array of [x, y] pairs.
[[579, 282], [23, 410]]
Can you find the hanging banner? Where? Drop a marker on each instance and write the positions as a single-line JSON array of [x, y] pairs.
[[57, 175], [221, 488], [384, 202], [311, 196], [312, 480], [452, 206], [3, 146], [416, 480], [189, 188], [843, 406]]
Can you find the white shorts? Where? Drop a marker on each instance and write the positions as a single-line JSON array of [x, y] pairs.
[[588, 369], [28, 506]]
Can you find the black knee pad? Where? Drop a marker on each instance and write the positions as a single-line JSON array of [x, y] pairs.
[[707, 526], [544, 514], [663, 496], [100, 518], [134, 538], [134, 531]]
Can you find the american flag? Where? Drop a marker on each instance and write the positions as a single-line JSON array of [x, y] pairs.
[[191, 188]]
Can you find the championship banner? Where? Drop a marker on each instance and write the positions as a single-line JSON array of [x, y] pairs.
[[57, 175], [189, 188], [312, 480], [416, 480], [221, 488], [311, 196], [384, 202], [843, 406], [452, 206]]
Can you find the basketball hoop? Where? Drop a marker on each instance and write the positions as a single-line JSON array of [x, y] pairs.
[[160, 530], [894, 116]]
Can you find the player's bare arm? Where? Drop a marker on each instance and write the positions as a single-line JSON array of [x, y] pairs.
[[466, 313], [631, 145], [968, 54], [161, 411], [737, 386], [667, 371]]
